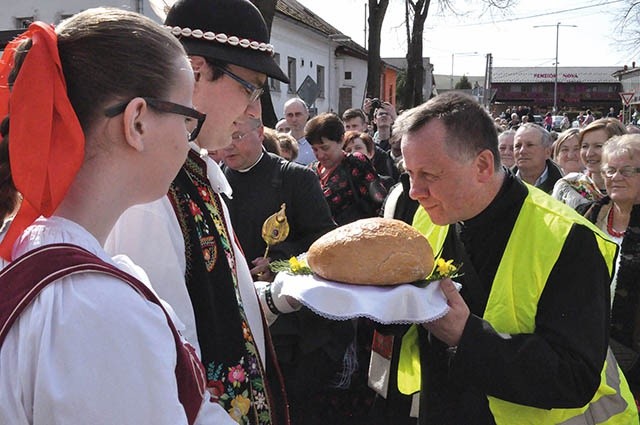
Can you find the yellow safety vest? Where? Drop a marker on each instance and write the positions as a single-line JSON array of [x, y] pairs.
[[543, 234]]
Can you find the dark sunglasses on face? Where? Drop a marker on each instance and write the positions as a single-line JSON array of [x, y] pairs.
[[166, 107]]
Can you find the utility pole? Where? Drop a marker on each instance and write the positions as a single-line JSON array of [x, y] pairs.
[[366, 9], [486, 94], [555, 82]]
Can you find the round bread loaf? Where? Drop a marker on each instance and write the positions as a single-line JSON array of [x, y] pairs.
[[372, 251]]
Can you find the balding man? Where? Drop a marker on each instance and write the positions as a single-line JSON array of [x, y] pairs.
[[297, 114], [532, 152]]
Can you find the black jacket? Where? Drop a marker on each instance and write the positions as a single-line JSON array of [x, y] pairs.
[[259, 192], [554, 174], [557, 366], [625, 315]]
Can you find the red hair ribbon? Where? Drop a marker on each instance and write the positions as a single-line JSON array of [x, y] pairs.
[[46, 146]]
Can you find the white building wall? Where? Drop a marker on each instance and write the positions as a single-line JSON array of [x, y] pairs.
[[358, 81], [51, 11], [311, 49], [289, 38], [631, 84]]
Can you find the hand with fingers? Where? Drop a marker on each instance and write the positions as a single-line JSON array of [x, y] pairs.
[[449, 328], [261, 269]]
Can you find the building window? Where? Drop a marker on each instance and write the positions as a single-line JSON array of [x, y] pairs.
[[515, 88], [320, 80], [291, 69], [347, 75], [23, 21], [274, 85]]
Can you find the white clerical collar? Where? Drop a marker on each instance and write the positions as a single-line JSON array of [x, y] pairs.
[[254, 164]]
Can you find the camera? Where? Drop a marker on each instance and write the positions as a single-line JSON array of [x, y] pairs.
[[375, 104]]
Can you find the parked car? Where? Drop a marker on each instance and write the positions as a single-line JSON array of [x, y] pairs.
[[538, 119], [557, 123]]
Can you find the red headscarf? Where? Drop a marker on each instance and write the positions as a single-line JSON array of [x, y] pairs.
[[46, 146]]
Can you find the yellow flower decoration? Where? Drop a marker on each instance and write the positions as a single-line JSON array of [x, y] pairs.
[[296, 265], [444, 268], [291, 266]]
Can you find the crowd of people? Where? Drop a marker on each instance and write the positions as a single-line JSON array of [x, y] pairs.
[[135, 177]]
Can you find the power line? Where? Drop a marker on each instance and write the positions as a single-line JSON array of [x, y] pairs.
[[521, 18]]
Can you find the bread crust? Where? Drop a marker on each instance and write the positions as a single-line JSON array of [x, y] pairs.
[[372, 251]]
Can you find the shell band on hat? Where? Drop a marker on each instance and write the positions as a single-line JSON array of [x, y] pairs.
[[223, 39]]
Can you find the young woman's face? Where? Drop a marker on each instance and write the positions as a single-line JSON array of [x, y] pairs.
[[591, 149], [171, 130]]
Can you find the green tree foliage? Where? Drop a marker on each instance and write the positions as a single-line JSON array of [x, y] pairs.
[[463, 83]]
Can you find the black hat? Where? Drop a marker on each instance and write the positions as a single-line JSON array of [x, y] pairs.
[[232, 31]]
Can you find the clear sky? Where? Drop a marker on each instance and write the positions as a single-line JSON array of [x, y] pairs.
[[509, 36]]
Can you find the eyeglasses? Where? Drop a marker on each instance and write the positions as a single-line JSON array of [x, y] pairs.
[[627, 171], [240, 136], [168, 107], [236, 137], [253, 91]]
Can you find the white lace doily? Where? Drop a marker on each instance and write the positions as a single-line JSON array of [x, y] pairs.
[[398, 304]]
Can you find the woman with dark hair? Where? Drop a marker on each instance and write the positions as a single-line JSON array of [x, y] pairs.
[[355, 141], [100, 118], [350, 184], [9, 196]]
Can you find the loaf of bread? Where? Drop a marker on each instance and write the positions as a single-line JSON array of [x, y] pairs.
[[372, 251]]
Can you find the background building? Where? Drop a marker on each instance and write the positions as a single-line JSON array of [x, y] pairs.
[[578, 88], [325, 67]]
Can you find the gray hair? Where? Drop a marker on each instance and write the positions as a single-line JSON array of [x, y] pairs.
[[545, 137], [511, 132], [628, 144], [295, 100]]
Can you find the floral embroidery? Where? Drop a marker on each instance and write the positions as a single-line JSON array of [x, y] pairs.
[[236, 375], [216, 389], [195, 211], [239, 408], [337, 190], [246, 332], [259, 400], [236, 387]]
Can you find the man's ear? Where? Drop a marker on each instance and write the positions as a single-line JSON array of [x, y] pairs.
[[260, 131], [135, 124], [198, 64], [485, 167]]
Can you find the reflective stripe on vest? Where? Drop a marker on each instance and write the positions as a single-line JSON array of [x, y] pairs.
[[606, 406], [542, 227]]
